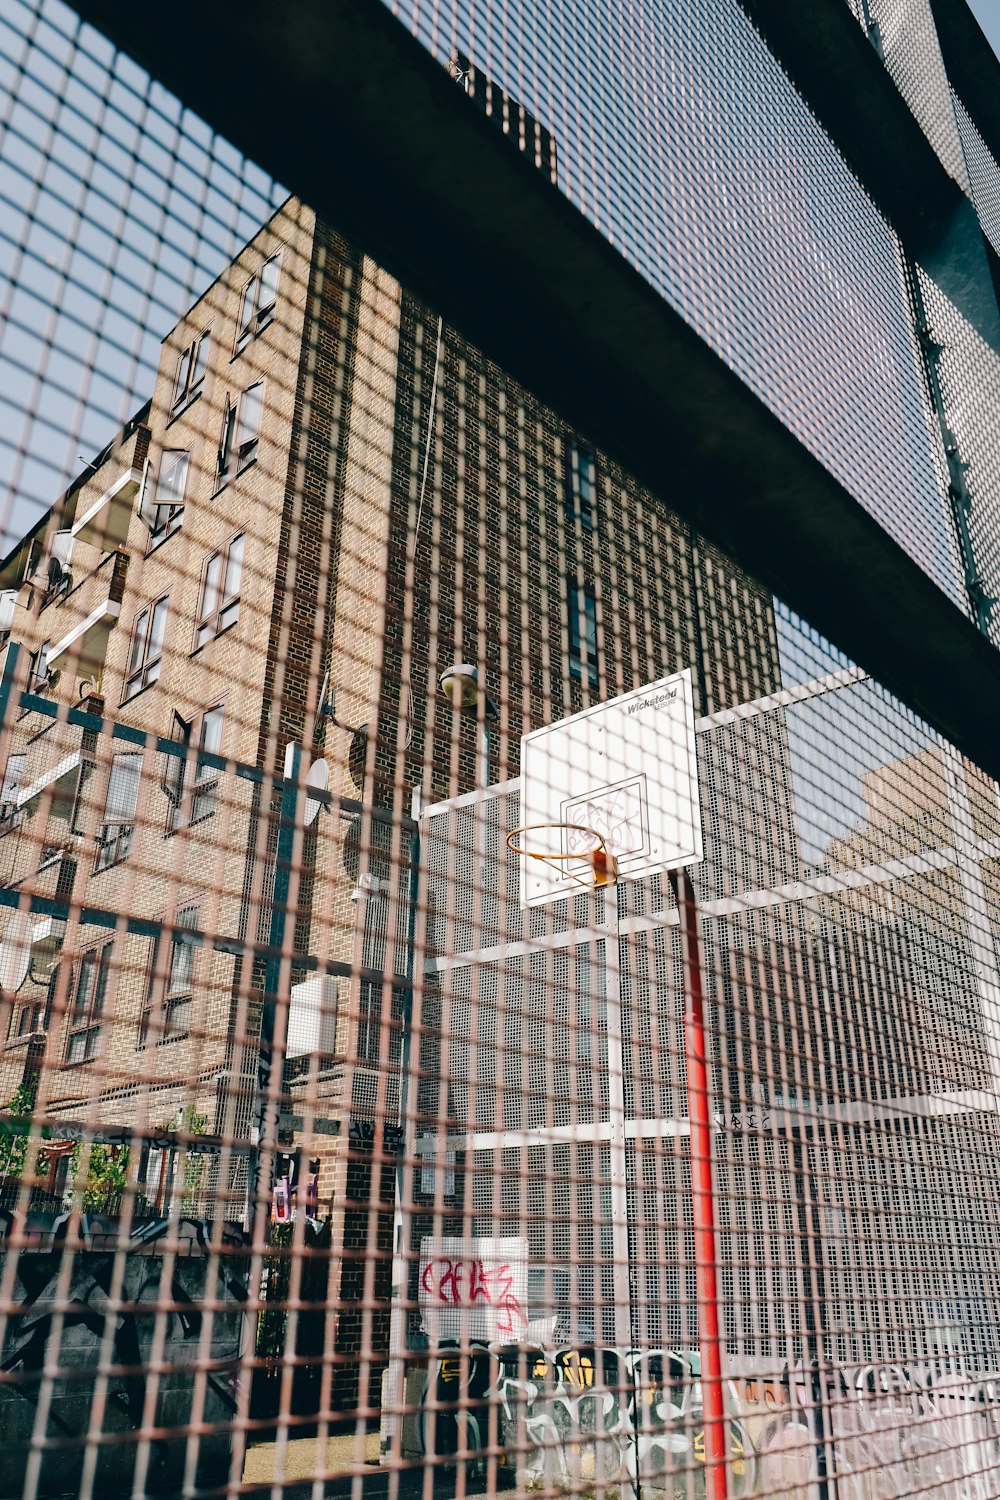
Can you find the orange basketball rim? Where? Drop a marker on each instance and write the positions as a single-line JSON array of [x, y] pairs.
[[603, 864]]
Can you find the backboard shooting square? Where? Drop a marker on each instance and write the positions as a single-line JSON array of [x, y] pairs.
[[625, 770]]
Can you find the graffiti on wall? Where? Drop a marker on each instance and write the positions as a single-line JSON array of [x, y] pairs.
[[474, 1289], [91, 1310], [567, 1417]]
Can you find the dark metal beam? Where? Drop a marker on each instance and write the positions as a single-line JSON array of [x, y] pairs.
[[972, 66], [338, 101]]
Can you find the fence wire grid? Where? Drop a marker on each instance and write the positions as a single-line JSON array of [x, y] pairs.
[[347, 1146]]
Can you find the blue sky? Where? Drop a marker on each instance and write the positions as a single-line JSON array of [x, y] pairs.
[[987, 13], [117, 208]]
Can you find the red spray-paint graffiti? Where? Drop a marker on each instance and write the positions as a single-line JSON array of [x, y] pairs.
[[464, 1283]]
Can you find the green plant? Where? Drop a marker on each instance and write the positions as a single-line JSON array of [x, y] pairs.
[[107, 1169], [15, 1127], [190, 1122]]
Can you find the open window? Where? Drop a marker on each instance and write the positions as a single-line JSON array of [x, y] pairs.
[[38, 669], [189, 376], [115, 837], [240, 431], [208, 769], [240, 434], [191, 775], [257, 302], [162, 506], [174, 777]]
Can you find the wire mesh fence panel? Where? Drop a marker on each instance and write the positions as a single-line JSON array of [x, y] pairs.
[[491, 998]]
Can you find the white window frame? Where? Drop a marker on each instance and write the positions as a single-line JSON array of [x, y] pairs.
[[219, 595], [115, 837], [141, 673], [189, 374], [240, 435], [163, 508], [258, 300]]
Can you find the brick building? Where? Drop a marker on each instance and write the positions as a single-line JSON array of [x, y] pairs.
[[330, 498]]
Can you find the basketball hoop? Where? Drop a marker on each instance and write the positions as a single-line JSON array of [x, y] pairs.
[[603, 865]]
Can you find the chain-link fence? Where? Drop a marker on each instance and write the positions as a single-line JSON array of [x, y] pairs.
[[495, 992]]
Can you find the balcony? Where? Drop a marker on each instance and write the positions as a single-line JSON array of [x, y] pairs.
[[46, 944], [89, 612], [105, 523], [63, 778]]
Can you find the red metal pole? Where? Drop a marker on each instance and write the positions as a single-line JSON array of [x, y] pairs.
[[702, 1197]]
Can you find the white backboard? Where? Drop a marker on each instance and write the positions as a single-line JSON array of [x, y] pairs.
[[627, 770]]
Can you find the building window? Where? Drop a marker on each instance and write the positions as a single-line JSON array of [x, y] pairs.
[[207, 770], [192, 790], [167, 1012], [38, 669], [28, 1019], [145, 655], [10, 814], [370, 1043], [240, 432], [190, 374], [163, 508], [88, 1004], [219, 604], [175, 770], [257, 302], [115, 837], [581, 486], [583, 636]]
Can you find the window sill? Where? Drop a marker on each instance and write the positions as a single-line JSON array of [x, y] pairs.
[[178, 411], [138, 692], [162, 1041], [217, 637], [13, 1043], [229, 478], [157, 540]]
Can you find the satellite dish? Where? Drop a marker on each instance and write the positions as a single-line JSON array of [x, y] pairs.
[[15, 951], [318, 781]]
